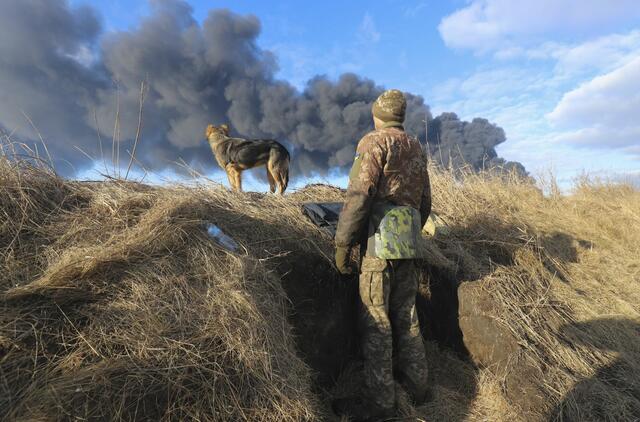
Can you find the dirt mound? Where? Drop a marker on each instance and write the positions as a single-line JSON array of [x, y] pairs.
[[118, 303]]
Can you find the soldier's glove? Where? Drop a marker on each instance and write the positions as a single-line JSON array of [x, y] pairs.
[[343, 260]]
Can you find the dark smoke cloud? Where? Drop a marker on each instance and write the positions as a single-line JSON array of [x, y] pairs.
[[39, 75], [58, 67], [459, 144]]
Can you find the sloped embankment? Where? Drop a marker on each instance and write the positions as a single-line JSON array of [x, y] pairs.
[[116, 303]]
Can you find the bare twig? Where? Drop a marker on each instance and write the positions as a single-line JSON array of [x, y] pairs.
[[116, 131], [84, 153], [95, 118], [26, 116], [138, 130]]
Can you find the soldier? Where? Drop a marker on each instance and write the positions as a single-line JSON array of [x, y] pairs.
[[387, 203]]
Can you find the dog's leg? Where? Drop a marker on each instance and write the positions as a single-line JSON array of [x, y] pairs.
[[275, 167], [239, 180], [232, 181], [281, 185], [232, 174], [272, 181], [282, 175]]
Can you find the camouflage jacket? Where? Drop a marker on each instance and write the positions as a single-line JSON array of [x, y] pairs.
[[390, 166]]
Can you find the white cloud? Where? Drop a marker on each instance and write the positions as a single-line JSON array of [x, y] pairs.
[[603, 54], [511, 96], [573, 105], [573, 113], [83, 55], [611, 96], [602, 136], [634, 150], [489, 25], [604, 112], [367, 31], [411, 11], [581, 60]]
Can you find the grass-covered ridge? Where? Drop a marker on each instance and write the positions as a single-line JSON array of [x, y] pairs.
[[116, 303]]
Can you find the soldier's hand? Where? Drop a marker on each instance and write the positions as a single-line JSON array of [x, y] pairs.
[[343, 260]]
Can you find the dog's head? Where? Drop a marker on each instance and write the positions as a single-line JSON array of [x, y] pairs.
[[217, 130]]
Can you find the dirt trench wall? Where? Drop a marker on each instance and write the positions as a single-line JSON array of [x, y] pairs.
[[324, 313], [492, 345], [437, 306]]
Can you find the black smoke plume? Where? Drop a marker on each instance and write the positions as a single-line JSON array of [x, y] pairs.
[[61, 71], [461, 144]]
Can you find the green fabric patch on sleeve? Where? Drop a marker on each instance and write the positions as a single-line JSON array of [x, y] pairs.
[[355, 168]]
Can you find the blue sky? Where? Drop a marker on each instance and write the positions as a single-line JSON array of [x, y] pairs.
[[561, 77]]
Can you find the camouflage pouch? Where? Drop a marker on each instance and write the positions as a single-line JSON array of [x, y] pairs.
[[374, 282], [394, 232]]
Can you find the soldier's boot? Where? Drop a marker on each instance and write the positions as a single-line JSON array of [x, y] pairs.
[[361, 410], [418, 391]]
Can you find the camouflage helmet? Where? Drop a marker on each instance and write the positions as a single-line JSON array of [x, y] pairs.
[[390, 106]]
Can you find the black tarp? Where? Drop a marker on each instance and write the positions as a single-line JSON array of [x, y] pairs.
[[324, 215]]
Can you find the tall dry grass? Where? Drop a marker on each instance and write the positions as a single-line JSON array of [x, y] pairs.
[[116, 304], [564, 274]]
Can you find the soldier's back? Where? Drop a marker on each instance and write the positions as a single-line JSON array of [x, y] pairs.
[[404, 166]]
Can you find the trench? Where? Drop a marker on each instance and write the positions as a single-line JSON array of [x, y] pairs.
[[325, 307]]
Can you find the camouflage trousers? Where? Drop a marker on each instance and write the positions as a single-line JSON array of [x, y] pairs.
[[391, 331]]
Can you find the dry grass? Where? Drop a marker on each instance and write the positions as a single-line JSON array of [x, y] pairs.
[[116, 304], [565, 276]]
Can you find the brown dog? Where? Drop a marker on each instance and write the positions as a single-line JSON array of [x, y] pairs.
[[236, 154]]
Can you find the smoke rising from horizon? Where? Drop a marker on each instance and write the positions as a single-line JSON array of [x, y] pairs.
[[59, 68]]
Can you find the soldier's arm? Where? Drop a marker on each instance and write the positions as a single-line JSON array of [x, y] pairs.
[[425, 202], [363, 186]]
